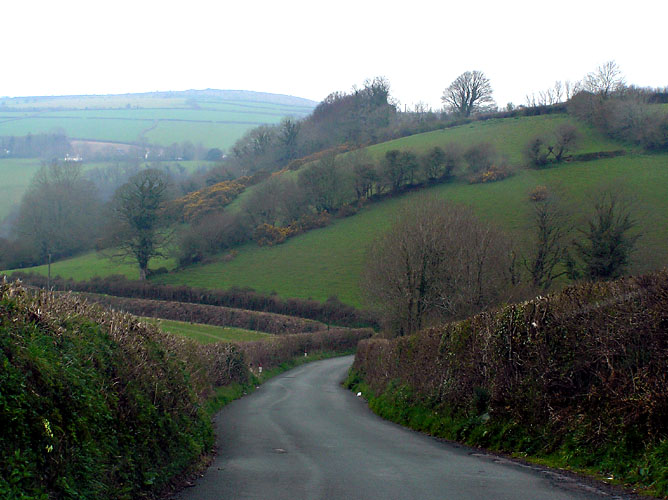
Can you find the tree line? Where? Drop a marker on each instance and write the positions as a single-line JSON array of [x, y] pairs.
[[439, 261]]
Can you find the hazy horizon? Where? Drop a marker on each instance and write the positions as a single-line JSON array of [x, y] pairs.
[[300, 49]]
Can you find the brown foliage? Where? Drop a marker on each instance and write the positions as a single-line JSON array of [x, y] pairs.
[[210, 315], [592, 358], [332, 311]]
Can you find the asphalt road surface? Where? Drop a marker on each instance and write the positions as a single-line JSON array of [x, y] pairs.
[[302, 436]]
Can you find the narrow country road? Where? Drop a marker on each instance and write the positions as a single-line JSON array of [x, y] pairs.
[[302, 436]]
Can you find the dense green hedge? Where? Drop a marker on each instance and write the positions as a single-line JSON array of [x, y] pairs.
[[578, 376], [95, 404]]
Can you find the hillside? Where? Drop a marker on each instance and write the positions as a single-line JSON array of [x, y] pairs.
[[328, 261], [213, 118]]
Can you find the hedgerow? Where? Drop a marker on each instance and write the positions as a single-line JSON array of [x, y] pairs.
[[97, 404], [333, 311], [580, 375]]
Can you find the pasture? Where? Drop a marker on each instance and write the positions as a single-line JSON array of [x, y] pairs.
[[207, 334]]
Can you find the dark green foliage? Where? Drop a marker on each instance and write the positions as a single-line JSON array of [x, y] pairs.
[[607, 245], [139, 229], [578, 377], [91, 408]]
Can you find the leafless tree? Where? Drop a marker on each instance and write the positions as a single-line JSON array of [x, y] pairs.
[[605, 80], [59, 213], [551, 227], [471, 92], [437, 261]]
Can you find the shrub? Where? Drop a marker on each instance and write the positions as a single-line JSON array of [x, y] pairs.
[[539, 193], [480, 157]]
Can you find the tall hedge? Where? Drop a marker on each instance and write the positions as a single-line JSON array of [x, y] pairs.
[[584, 369], [96, 404]]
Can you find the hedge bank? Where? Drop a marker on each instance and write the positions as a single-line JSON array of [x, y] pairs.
[[97, 404], [580, 377]]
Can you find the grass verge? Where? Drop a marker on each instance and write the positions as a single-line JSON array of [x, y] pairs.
[[620, 462]]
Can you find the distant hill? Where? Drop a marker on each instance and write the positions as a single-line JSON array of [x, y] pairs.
[[210, 117], [112, 100]]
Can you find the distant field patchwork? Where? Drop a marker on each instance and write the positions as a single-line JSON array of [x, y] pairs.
[[212, 122]]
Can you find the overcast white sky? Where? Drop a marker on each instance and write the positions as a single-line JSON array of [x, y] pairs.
[[311, 48]]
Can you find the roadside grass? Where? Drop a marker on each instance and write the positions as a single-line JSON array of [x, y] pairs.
[[617, 463], [207, 333]]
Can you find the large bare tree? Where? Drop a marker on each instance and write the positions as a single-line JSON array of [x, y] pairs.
[[470, 93], [438, 261], [606, 80]]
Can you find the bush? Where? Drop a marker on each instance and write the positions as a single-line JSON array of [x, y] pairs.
[[210, 236], [97, 404], [480, 157]]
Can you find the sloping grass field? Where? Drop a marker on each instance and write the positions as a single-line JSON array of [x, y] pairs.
[[509, 136], [329, 261], [207, 333]]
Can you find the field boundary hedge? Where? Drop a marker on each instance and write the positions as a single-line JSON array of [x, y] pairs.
[[276, 324], [332, 311]]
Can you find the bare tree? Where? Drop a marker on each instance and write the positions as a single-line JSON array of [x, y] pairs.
[[437, 261], [471, 92], [59, 213], [551, 228], [605, 80]]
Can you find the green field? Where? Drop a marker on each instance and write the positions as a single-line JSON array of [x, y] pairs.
[[16, 174], [509, 135], [207, 333], [92, 264], [328, 261], [160, 119]]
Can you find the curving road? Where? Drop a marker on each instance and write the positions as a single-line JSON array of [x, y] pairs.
[[302, 436]]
